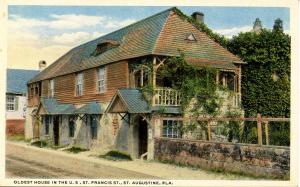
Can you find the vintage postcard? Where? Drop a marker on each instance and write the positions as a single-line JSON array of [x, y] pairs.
[[140, 94]]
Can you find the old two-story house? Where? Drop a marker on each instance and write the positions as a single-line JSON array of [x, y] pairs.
[[90, 96]]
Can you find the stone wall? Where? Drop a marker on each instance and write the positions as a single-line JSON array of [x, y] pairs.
[[250, 159]]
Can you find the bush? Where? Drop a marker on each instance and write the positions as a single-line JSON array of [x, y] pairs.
[[116, 155], [39, 143], [76, 150]]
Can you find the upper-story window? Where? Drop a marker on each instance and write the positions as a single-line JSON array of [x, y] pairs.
[[101, 80], [79, 84], [10, 103], [141, 78], [228, 80], [51, 88]]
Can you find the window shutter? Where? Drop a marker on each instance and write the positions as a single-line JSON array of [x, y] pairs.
[[16, 103]]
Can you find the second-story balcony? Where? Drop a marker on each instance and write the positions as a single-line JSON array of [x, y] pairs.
[[171, 97], [166, 97]]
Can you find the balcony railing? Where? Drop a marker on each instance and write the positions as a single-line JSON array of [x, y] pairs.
[[166, 97], [172, 97]]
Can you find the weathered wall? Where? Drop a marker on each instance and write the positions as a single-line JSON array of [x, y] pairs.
[[265, 161], [14, 127], [28, 123], [19, 112]]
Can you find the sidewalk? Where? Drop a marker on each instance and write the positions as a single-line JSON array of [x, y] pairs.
[[151, 168]]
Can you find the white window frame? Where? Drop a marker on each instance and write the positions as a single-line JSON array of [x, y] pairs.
[[51, 86], [79, 84], [101, 80], [10, 103], [172, 131]]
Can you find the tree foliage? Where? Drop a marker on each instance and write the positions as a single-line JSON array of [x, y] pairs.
[[265, 78]]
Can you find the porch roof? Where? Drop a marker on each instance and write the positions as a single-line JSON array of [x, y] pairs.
[[132, 101], [52, 107], [90, 108], [129, 101]]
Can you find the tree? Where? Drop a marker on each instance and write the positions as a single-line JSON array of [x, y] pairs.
[[266, 76], [278, 26]]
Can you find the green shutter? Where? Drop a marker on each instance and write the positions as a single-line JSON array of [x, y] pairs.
[[16, 103]]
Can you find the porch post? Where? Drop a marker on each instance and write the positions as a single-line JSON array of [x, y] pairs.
[[153, 78]]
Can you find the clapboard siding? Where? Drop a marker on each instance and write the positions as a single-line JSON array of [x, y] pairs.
[[45, 87], [116, 77]]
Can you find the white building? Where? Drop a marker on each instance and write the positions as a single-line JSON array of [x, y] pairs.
[[16, 99]]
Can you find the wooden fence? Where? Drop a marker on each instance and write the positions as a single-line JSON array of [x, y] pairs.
[[259, 119]]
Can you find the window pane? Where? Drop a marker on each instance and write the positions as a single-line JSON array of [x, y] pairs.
[[10, 102], [101, 80]]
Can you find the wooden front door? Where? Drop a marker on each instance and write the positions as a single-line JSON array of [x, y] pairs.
[[143, 137], [36, 127], [56, 130]]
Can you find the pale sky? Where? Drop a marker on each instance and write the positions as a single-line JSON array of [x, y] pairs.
[[47, 32]]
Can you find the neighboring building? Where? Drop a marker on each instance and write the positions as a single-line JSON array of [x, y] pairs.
[[91, 96], [16, 99]]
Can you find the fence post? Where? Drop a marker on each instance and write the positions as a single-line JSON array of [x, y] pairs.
[[259, 129], [209, 130], [267, 132]]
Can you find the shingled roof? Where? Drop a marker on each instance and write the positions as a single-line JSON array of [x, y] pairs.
[[17, 78], [161, 34]]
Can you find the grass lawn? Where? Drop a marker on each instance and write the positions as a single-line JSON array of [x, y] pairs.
[[17, 137]]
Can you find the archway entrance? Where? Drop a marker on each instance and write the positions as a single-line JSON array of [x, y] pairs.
[[143, 136]]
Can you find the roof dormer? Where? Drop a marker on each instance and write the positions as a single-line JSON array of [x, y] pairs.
[[191, 38], [105, 45]]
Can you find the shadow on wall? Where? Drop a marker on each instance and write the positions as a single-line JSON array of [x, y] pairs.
[[121, 142]]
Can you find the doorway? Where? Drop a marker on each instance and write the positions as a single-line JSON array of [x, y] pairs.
[[143, 136], [56, 129]]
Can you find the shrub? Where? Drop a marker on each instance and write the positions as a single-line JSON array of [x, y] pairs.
[[39, 143], [76, 150], [116, 155]]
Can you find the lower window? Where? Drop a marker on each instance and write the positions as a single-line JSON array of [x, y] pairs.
[[172, 128]]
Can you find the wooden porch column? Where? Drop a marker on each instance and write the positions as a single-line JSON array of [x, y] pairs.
[[154, 69], [239, 79], [259, 129], [217, 77]]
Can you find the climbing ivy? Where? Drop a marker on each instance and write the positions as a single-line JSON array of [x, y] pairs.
[[266, 76], [195, 84], [266, 79]]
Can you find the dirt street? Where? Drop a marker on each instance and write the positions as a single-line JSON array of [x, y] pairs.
[[24, 163]]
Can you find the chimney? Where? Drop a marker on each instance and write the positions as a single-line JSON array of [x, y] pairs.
[[42, 65], [198, 16]]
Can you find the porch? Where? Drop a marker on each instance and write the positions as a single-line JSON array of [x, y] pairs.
[[144, 75]]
